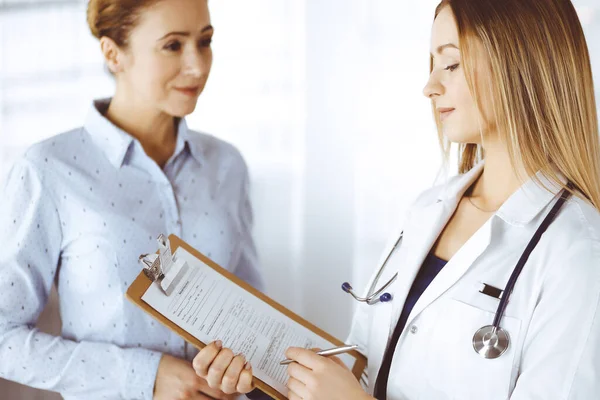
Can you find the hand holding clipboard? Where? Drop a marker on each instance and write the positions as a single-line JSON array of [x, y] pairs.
[[203, 302]]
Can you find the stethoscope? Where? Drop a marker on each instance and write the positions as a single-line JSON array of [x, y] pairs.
[[490, 341]]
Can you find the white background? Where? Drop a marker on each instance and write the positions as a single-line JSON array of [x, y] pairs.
[[323, 98]]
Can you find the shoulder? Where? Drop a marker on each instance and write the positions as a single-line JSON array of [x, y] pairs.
[[582, 219], [574, 245], [57, 148], [35, 175], [576, 225], [41, 158]]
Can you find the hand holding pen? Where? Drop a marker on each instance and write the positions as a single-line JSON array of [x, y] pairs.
[[312, 376], [329, 352]]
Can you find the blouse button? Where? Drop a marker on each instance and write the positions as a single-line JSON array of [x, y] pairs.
[[414, 329]]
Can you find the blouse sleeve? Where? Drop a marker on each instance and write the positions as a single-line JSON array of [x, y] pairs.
[[31, 237]]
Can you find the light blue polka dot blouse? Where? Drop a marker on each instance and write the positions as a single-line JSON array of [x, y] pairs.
[[78, 209]]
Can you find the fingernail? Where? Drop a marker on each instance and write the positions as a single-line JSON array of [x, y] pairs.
[[219, 344], [248, 366]]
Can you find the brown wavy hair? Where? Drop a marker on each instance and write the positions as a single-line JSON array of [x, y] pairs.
[[115, 18]]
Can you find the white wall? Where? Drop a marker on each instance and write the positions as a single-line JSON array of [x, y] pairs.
[[323, 97]]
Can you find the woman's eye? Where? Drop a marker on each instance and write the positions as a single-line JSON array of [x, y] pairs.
[[206, 42], [173, 46], [451, 67]]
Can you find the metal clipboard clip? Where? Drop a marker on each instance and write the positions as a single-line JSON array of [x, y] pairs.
[[163, 268]]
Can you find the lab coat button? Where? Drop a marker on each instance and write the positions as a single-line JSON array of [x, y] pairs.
[[414, 329]]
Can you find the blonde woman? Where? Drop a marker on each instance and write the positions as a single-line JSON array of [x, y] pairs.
[[498, 270]]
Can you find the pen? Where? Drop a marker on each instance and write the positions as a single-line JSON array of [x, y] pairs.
[[328, 352]]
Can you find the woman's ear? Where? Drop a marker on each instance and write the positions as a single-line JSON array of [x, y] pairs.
[[112, 54]]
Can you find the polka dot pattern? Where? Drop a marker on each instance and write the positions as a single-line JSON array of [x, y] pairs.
[[82, 207]]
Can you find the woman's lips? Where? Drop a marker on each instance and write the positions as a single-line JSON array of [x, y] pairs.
[[445, 113], [189, 91]]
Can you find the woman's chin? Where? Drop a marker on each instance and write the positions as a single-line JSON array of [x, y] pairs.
[[460, 137], [181, 110]]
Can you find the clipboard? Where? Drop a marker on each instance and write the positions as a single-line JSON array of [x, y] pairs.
[[151, 273]]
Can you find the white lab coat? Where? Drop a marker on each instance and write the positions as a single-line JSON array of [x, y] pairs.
[[552, 318]]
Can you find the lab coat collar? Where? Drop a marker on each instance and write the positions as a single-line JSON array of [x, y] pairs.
[[529, 200], [117, 144], [521, 207], [453, 191], [428, 222], [422, 235]]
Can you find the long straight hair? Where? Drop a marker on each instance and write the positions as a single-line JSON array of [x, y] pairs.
[[541, 88]]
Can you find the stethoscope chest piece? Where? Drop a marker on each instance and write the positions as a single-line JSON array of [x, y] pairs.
[[490, 341]]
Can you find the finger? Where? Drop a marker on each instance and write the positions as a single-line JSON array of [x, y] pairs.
[[245, 383], [293, 396], [232, 374], [303, 356], [338, 361], [297, 387], [218, 367], [300, 373], [205, 358], [201, 386]]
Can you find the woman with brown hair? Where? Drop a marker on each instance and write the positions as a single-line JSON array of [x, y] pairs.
[[492, 289], [81, 207]]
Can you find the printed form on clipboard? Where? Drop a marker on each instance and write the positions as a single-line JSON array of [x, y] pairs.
[[202, 302]]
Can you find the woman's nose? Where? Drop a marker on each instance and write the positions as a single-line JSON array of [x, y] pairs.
[[433, 88], [195, 64]]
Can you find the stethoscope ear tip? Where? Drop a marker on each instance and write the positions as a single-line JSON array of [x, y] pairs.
[[384, 298], [346, 287]]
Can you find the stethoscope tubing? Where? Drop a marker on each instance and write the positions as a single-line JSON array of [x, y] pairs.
[[511, 281], [525, 256]]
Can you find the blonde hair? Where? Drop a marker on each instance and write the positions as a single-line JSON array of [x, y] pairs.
[[541, 88]]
